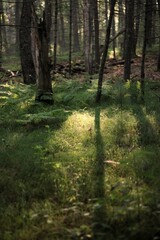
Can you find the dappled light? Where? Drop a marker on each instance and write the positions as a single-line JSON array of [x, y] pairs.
[[79, 168], [79, 120]]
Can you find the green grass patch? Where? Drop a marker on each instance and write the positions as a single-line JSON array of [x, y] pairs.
[[75, 170]]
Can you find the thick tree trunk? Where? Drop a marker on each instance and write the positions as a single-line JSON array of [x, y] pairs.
[[27, 64], [40, 50]]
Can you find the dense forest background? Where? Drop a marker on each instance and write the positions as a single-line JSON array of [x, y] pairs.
[[79, 119]]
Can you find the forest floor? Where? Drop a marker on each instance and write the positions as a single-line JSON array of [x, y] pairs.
[[76, 170]]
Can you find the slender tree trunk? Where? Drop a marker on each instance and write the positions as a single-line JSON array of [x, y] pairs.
[[75, 10], [88, 36], [138, 7], [4, 44], [129, 26], [121, 18], [55, 34], [48, 17], [105, 52], [145, 43], [28, 69], [1, 44], [62, 28], [70, 38], [18, 7], [96, 33], [158, 62], [114, 41], [106, 11]]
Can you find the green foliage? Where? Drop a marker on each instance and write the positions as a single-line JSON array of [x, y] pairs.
[[75, 170]]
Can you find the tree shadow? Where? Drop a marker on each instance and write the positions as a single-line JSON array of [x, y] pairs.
[[100, 226], [148, 135]]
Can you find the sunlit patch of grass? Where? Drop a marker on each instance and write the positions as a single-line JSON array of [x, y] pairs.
[[65, 166]]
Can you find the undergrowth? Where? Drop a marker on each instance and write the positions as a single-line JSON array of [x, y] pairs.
[[77, 170]]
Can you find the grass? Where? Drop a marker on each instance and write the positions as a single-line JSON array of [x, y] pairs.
[[76, 170]]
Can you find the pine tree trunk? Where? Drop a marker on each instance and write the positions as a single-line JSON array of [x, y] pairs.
[[105, 52], [96, 34], [145, 43], [75, 10], [27, 63], [40, 50], [18, 6], [129, 26], [158, 62], [55, 34], [88, 36]]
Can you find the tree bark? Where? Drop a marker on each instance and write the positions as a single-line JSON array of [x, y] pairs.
[[158, 62], [55, 34], [88, 36], [70, 36], [18, 7], [28, 70], [40, 51], [75, 10], [96, 33], [105, 52], [129, 26], [145, 43]]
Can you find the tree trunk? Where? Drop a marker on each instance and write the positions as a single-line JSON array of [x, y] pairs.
[[138, 4], [55, 33], [121, 18], [129, 26], [96, 33], [114, 41], [75, 10], [1, 44], [48, 17], [145, 43], [62, 28], [27, 64], [105, 52], [18, 6], [158, 62], [88, 36], [40, 50]]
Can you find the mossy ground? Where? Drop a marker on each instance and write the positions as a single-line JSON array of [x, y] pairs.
[[77, 170]]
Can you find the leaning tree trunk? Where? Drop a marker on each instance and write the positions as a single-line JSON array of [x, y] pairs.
[[105, 52], [27, 63], [40, 50]]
